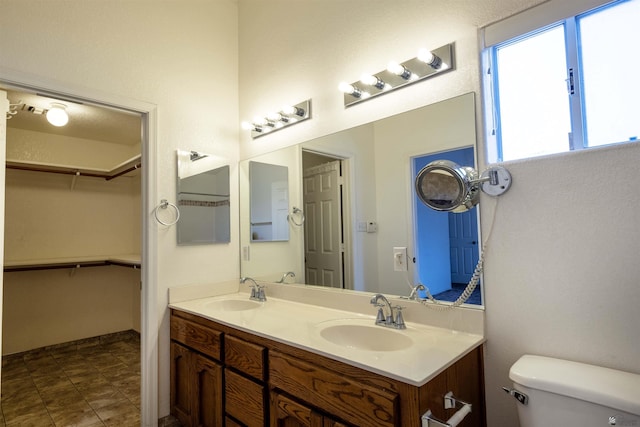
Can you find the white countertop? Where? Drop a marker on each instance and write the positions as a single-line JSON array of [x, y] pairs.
[[297, 324]]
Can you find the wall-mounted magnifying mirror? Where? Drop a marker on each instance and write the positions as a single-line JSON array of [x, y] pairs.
[[443, 185], [203, 199]]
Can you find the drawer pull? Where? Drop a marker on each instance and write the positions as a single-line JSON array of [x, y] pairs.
[[450, 402]]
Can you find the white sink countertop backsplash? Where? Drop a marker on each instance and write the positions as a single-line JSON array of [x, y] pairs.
[[295, 315]]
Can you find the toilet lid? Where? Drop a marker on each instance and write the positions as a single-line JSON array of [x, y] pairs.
[[607, 387]]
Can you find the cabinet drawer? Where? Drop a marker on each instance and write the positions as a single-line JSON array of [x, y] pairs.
[[245, 357], [244, 399], [198, 337], [354, 402]]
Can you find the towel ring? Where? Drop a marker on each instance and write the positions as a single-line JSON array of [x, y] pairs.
[[296, 211], [164, 204]]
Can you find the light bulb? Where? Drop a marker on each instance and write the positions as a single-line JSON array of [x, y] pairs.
[[290, 110], [429, 58], [274, 117], [247, 126], [399, 70], [57, 114], [371, 80], [350, 89]]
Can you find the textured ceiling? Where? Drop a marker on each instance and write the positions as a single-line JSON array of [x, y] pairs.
[[85, 121]]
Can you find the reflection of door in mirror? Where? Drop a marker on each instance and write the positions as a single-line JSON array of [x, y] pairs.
[[323, 236], [269, 204], [446, 242]]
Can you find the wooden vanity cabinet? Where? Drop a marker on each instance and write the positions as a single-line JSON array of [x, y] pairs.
[[260, 382], [196, 379], [289, 413]]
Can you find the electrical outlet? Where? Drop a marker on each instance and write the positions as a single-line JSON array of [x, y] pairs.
[[400, 258]]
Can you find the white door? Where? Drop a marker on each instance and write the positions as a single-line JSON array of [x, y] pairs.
[[323, 225]]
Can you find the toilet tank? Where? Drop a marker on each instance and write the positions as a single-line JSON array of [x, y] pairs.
[[572, 394]]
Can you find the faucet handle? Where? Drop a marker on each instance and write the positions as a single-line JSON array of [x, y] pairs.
[[380, 317], [399, 320]]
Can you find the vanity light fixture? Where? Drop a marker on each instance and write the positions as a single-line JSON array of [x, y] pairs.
[[57, 114], [287, 116], [427, 63]]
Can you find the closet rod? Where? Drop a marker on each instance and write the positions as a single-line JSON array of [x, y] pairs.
[[54, 170], [65, 265], [132, 168], [55, 266]]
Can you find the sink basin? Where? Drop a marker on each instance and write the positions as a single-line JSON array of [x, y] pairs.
[[362, 336], [233, 305]]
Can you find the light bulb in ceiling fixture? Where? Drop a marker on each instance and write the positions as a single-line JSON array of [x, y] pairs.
[[399, 70], [350, 90], [429, 58], [57, 114], [371, 80]]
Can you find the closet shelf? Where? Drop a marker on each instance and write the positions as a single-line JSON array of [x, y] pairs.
[[130, 260], [119, 170]]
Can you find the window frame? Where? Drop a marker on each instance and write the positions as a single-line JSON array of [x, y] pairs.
[[578, 138]]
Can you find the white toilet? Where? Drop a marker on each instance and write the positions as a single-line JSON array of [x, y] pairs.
[[570, 394]]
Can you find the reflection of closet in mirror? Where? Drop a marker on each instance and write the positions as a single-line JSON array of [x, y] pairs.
[[447, 243], [203, 199], [269, 204], [324, 244]]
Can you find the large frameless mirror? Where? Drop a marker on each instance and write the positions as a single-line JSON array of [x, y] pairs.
[[203, 199], [372, 215]]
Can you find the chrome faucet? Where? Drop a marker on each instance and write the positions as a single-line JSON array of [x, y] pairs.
[[285, 275], [257, 291], [390, 320], [414, 291]]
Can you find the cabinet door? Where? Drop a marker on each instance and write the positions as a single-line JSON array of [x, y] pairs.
[[207, 392], [180, 383], [288, 413]]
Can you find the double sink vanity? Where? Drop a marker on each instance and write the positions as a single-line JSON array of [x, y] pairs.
[[310, 356]]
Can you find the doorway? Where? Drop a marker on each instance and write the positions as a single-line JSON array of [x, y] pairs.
[[147, 312], [447, 248]]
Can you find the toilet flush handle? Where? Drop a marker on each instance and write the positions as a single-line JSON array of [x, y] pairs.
[[520, 397]]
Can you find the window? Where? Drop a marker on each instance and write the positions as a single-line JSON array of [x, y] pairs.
[[568, 86]]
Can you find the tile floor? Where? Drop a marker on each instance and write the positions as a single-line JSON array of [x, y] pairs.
[[87, 383]]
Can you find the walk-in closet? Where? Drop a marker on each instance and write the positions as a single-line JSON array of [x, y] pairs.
[[72, 241]]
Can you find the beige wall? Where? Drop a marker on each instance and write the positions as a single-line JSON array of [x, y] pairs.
[[561, 270]]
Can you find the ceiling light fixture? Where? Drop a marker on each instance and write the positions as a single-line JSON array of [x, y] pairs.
[[57, 114], [427, 64], [287, 116]]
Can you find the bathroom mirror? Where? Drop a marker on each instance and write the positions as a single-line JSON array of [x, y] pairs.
[[203, 199], [378, 199], [269, 192]]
